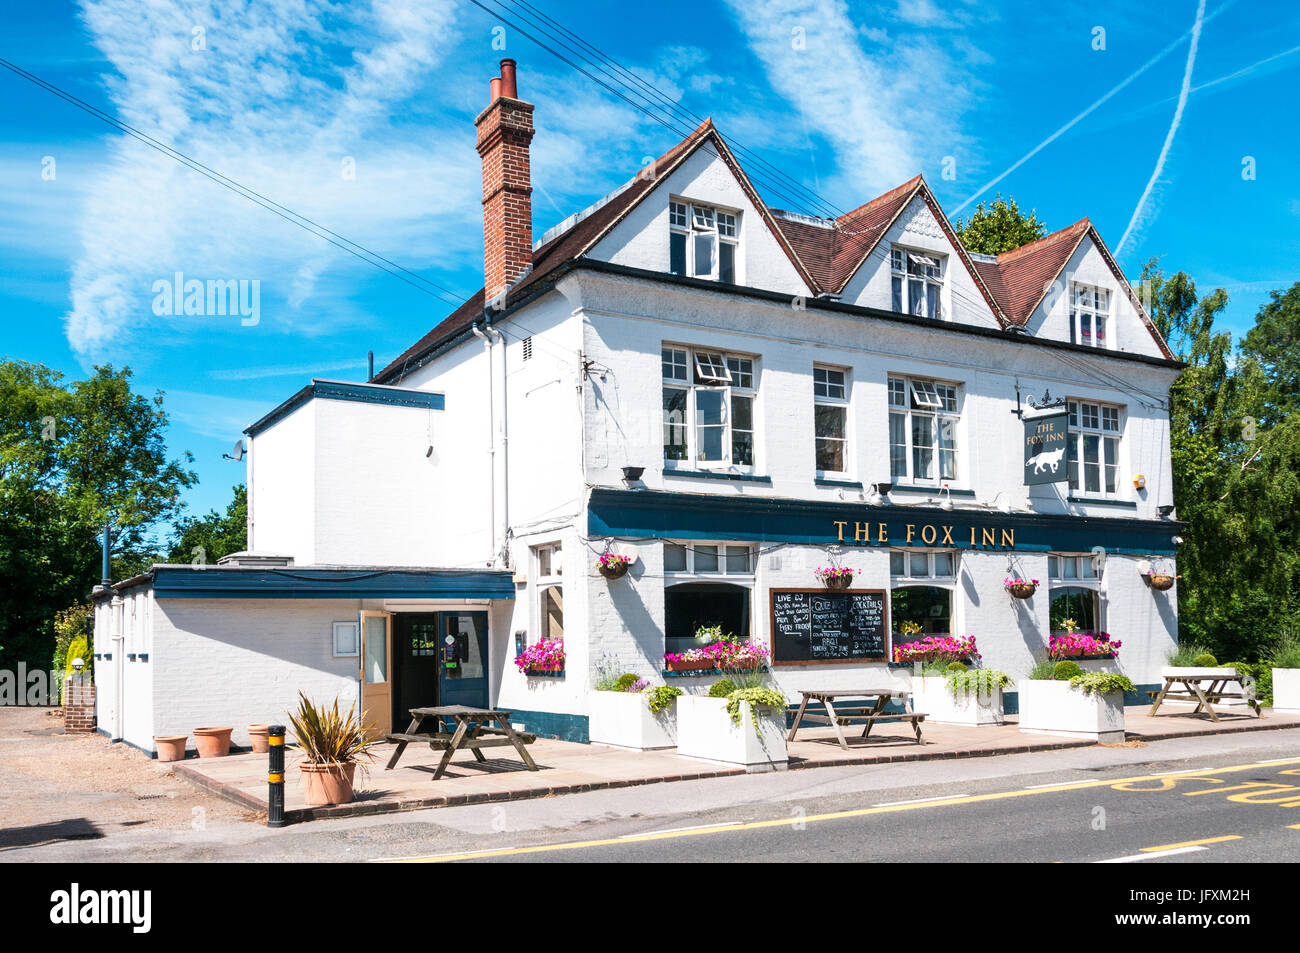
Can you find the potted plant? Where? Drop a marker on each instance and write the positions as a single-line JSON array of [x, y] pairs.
[[1020, 588], [628, 712], [1194, 661], [1285, 660], [1159, 580], [543, 656], [835, 577], [746, 726], [613, 565], [1059, 698], [1082, 645], [212, 742], [170, 747], [953, 694], [692, 660], [332, 745], [937, 648]]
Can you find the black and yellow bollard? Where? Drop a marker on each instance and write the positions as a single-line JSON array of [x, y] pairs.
[[275, 776]]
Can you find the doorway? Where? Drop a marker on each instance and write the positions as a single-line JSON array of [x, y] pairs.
[[440, 659]]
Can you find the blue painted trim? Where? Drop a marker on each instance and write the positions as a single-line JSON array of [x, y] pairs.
[[1098, 501], [930, 490], [559, 674], [144, 656], [717, 475], [549, 724], [847, 484], [242, 582], [354, 391], [130, 656], [712, 672], [661, 514]]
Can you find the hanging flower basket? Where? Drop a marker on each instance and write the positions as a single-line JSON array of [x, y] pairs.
[[834, 577], [613, 565], [1021, 588], [1160, 580]]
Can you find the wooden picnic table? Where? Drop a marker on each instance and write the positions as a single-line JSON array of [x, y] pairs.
[[481, 735], [1191, 688], [868, 713]]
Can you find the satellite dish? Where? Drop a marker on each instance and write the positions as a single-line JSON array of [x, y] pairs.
[[236, 452]]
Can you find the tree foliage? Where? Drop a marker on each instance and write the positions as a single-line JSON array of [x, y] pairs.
[[206, 539], [999, 227], [73, 457]]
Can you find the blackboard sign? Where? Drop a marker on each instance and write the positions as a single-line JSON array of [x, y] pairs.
[[812, 626]]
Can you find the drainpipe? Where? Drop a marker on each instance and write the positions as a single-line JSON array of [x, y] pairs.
[[491, 449], [505, 447], [115, 612]]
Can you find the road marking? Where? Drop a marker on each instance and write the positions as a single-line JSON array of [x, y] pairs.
[[920, 800], [1134, 858], [1035, 787], [1276, 761], [678, 830], [1166, 774], [1293, 827], [732, 827], [1192, 843]]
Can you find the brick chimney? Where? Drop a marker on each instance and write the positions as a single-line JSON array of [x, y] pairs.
[[505, 130]]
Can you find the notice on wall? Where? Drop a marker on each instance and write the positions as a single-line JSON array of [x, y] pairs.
[[812, 626]]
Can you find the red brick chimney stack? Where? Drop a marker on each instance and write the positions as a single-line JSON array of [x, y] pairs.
[[505, 130]]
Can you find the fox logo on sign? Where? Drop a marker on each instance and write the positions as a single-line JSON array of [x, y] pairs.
[[1045, 445]]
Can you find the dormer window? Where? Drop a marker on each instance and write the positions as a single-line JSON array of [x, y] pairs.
[[702, 241], [917, 282], [1089, 314]]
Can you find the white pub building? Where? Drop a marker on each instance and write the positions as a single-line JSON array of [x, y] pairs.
[[729, 394]]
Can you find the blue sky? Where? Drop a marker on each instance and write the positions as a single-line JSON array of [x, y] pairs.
[[1081, 109]]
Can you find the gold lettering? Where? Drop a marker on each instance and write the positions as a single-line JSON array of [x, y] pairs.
[[1009, 538], [972, 535], [841, 524], [882, 533], [933, 534], [911, 531], [862, 532], [947, 535], [988, 537]]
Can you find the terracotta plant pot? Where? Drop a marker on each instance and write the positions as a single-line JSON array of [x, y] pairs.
[[327, 783], [837, 582], [257, 737], [212, 742], [701, 666], [614, 572], [1161, 581], [1022, 590], [170, 747], [545, 668]]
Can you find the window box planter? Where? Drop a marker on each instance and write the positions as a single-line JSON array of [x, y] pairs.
[[1286, 690], [705, 730], [624, 719], [930, 694], [545, 671], [1057, 708], [700, 665]]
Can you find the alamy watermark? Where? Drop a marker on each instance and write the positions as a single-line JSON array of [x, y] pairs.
[[216, 296]]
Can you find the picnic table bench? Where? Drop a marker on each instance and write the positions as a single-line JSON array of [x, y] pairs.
[[481, 735], [1188, 687], [866, 713]]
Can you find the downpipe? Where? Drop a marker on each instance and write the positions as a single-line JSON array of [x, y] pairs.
[[491, 449]]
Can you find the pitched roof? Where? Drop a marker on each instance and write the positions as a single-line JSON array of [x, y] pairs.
[[1020, 278]]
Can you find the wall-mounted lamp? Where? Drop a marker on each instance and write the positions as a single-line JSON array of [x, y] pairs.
[[1166, 511], [632, 474], [945, 502], [1176, 540], [880, 492]]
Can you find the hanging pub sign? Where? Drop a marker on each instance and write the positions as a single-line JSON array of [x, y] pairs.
[[1045, 443]]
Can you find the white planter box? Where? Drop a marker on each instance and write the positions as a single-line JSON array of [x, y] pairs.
[[930, 696], [1057, 708], [1286, 690], [624, 719], [705, 730]]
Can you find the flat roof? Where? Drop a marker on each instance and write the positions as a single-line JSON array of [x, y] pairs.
[[318, 582]]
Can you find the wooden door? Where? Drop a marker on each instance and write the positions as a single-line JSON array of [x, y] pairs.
[[376, 671]]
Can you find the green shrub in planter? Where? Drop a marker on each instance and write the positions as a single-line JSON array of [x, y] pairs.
[[1102, 683], [721, 688], [1205, 660], [1065, 670], [980, 681], [662, 696], [625, 682], [955, 667]]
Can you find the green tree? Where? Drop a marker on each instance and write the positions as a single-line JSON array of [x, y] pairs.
[[73, 457], [210, 537], [999, 227]]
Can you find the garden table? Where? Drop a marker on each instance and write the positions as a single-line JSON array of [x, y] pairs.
[[868, 713], [1192, 688], [480, 735]]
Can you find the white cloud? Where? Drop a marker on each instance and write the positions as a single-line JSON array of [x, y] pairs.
[[888, 112], [276, 97]]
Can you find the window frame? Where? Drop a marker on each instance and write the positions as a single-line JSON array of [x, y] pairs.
[[907, 576], [1056, 579], [741, 384], [842, 402], [722, 225], [941, 418], [692, 574], [1077, 432], [1080, 310], [901, 277], [356, 639], [550, 554]]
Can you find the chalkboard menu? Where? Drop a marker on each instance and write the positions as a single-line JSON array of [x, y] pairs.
[[811, 626]]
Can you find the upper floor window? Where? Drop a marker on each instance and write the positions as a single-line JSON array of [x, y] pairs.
[[1089, 314], [830, 418], [1093, 441], [708, 408], [917, 281], [923, 418], [702, 241]]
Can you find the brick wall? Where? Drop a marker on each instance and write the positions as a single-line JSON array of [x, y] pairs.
[[78, 704]]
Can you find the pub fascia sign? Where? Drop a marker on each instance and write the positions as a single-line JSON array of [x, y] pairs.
[[925, 534]]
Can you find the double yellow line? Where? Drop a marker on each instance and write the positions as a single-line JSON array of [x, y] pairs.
[[732, 827]]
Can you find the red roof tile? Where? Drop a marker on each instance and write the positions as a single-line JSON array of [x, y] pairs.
[[1020, 278]]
